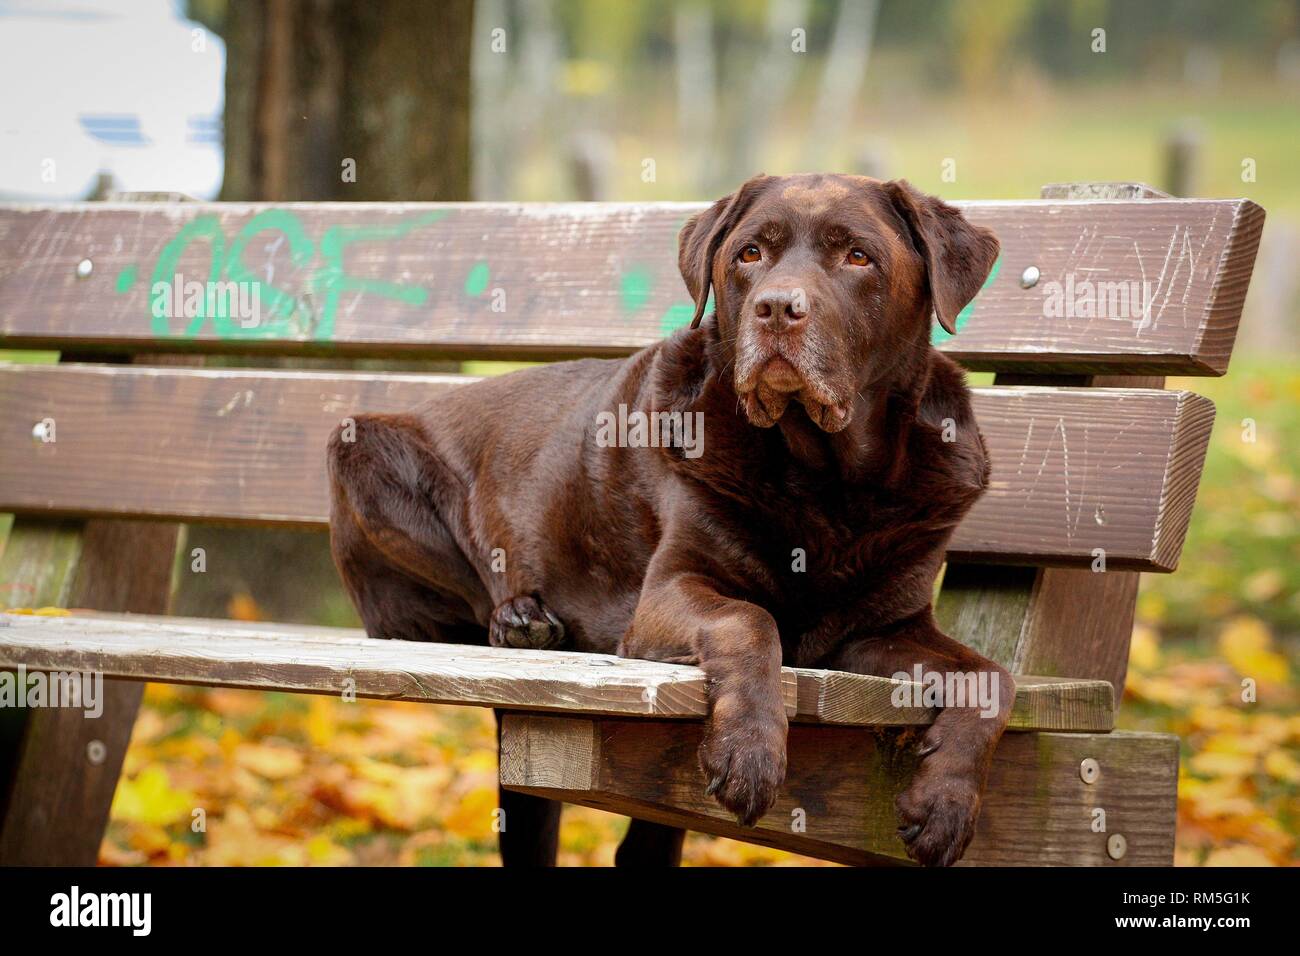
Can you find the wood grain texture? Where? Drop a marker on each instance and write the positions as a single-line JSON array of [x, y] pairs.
[[38, 567], [1042, 703], [984, 607], [1062, 621], [331, 660], [1058, 621], [54, 796], [1074, 470], [555, 280], [1080, 623], [842, 782]]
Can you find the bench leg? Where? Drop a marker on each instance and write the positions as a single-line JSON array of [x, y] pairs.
[[650, 845], [532, 833], [63, 781], [1040, 808], [532, 824], [532, 829], [59, 768]]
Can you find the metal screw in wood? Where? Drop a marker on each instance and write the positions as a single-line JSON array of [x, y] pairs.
[[1089, 770]]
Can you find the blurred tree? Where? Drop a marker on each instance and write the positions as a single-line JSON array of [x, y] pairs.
[[986, 35], [313, 85], [845, 65], [317, 90], [697, 93], [769, 85], [516, 79]]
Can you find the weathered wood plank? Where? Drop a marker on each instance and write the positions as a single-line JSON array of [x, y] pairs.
[[1102, 190], [38, 565], [321, 660], [1074, 470], [598, 279], [1045, 620], [1042, 703], [1059, 621], [58, 768], [38, 562], [838, 799], [984, 607], [338, 660]]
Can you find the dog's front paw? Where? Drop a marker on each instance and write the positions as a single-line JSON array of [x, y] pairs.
[[524, 621], [938, 812], [743, 759]]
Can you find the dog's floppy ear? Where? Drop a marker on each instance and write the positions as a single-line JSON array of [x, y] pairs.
[[700, 238], [958, 254]]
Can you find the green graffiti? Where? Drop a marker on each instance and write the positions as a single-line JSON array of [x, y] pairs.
[[939, 334], [282, 313], [126, 278], [634, 289], [204, 227], [334, 281], [278, 307], [477, 280], [677, 316], [306, 308]]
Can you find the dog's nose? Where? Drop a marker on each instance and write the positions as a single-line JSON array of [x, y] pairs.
[[779, 308]]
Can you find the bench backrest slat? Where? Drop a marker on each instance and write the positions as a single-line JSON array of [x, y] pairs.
[[547, 281], [1074, 470]]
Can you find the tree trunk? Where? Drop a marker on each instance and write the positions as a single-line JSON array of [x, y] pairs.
[[316, 87], [311, 84]]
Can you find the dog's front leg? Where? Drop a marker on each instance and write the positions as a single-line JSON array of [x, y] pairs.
[[940, 807], [681, 617]]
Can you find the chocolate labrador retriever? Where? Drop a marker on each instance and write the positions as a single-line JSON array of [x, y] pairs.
[[803, 524]]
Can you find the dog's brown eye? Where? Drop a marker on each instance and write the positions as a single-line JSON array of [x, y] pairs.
[[750, 253], [858, 258]]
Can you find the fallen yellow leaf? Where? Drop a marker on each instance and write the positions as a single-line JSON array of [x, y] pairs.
[[474, 816], [1223, 764], [1282, 766], [1239, 855], [149, 798], [1144, 651], [1246, 644], [273, 763]]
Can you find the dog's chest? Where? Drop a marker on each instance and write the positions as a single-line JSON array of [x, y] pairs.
[[831, 544]]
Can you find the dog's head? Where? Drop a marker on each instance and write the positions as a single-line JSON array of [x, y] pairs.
[[824, 286]]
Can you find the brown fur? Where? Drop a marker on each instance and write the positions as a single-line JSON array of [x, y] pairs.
[[824, 410]]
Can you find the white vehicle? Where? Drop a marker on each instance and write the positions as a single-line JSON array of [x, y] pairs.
[[124, 88]]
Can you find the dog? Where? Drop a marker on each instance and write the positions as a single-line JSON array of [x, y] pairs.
[[839, 451]]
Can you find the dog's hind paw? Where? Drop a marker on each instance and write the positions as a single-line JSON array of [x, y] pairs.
[[524, 621]]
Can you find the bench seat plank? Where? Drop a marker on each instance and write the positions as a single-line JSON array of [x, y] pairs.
[[560, 280], [1074, 470], [322, 660], [837, 801]]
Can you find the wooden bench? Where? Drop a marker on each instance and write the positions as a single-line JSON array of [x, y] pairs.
[[1094, 466]]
